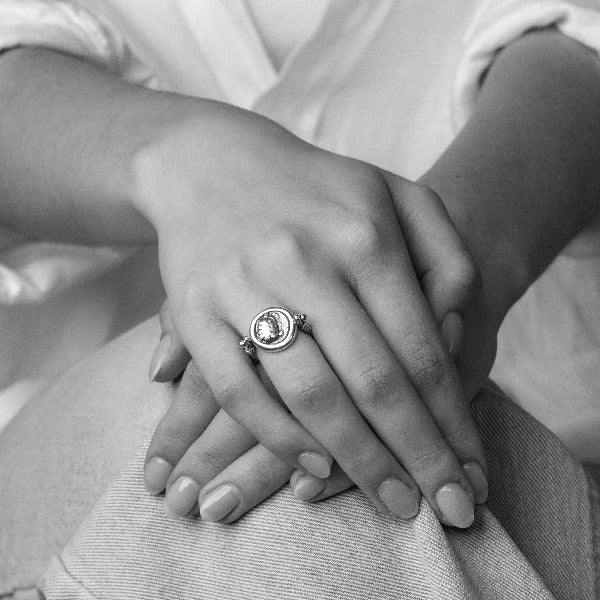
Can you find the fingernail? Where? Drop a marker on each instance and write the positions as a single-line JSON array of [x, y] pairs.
[[219, 503], [453, 331], [478, 481], [181, 497], [160, 354], [156, 474], [398, 498], [307, 487], [455, 505], [315, 464]]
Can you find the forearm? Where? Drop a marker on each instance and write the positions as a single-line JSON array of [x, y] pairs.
[[522, 178], [70, 135]]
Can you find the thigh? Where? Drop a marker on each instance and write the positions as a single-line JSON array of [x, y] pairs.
[[533, 541], [63, 449]]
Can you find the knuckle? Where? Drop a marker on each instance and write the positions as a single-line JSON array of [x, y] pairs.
[[379, 383], [280, 246], [429, 460], [368, 465], [465, 277], [228, 394], [311, 394], [230, 276], [427, 367], [208, 461], [361, 236]]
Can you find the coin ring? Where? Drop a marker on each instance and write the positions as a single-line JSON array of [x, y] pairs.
[[287, 329]]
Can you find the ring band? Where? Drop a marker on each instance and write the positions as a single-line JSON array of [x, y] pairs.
[[273, 329]]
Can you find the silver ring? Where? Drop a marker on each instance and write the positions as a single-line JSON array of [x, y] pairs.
[[273, 329]]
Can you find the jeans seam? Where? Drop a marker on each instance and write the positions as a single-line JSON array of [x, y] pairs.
[[76, 579]]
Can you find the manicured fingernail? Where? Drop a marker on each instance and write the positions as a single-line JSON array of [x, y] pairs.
[[478, 481], [181, 497], [453, 331], [307, 487], [219, 503], [315, 464], [160, 354], [156, 474], [398, 498], [455, 505]]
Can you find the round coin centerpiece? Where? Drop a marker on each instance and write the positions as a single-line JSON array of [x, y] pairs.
[[273, 329]]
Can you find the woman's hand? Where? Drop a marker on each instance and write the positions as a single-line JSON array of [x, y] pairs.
[[220, 470], [281, 223]]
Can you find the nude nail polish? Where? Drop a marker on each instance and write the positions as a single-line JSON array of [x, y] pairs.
[[219, 503], [307, 487], [398, 498], [156, 474], [455, 505], [315, 464], [160, 354], [452, 332], [478, 481], [181, 497]]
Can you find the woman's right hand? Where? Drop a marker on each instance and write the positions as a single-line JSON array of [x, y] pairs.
[[248, 217]]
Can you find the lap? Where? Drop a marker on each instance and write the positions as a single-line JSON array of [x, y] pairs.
[[67, 444], [72, 492]]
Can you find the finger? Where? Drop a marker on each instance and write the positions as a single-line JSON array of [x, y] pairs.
[[449, 277], [387, 288], [244, 484], [308, 488], [238, 389], [220, 444], [191, 411], [170, 356]]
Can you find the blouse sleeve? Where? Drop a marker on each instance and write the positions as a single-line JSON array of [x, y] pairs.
[[61, 25], [30, 270], [497, 23]]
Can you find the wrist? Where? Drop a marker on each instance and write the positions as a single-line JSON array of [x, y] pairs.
[[515, 190], [502, 261], [211, 158]]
